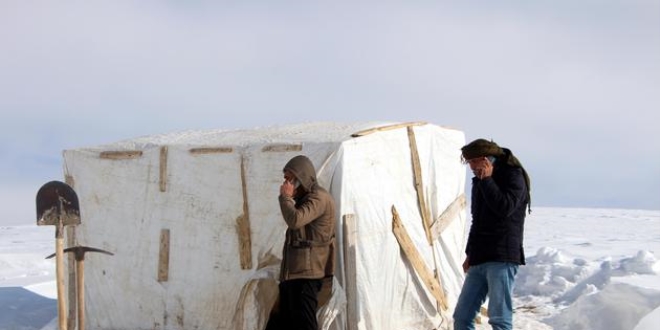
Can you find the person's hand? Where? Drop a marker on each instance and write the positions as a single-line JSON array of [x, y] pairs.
[[487, 169], [483, 168], [287, 189], [466, 264]]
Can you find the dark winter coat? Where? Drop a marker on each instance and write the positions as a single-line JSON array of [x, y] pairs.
[[498, 216], [309, 249]]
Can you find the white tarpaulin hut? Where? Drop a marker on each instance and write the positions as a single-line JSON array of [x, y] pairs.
[[195, 227]]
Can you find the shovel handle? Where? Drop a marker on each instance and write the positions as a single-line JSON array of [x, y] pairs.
[[80, 289], [59, 269]]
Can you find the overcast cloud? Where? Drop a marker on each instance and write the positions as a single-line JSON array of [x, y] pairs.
[[570, 86]]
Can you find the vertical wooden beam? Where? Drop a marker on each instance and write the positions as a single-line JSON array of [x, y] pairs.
[[68, 179], [71, 260], [421, 200], [164, 256], [417, 172], [350, 271], [59, 276], [243, 224], [433, 284], [163, 169]]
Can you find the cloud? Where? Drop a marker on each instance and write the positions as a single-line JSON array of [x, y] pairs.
[[565, 84]]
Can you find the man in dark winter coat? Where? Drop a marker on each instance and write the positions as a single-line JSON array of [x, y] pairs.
[[308, 257], [500, 199]]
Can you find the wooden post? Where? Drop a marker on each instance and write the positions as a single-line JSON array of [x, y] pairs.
[[59, 270], [350, 271], [71, 240], [80, 288]]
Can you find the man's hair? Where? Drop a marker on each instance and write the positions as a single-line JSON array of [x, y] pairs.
[[485, 148]]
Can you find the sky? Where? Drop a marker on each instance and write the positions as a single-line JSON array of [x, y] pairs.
[[576, 277], [571, 87]]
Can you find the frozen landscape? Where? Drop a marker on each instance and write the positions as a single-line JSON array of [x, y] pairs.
[[590, 269], [570, 86]]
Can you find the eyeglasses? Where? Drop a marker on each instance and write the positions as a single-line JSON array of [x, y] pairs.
[[472, 160]]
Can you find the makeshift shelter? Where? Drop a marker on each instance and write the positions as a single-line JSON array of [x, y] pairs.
[[195, 227]]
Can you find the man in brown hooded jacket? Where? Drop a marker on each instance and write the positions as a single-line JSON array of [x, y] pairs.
[[308, 254]]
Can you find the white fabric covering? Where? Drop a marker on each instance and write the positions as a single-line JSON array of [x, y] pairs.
[[124, 211]]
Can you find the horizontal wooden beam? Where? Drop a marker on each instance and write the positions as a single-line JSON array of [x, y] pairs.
[[282, 147], [211, 150], [127, 154], [387, 128]]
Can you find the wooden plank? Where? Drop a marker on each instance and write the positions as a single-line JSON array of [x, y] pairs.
[[71, 277], [68, 179], [483, 312], [419, 187], [421, 200], [282, 147], [59, 280], [433, 284], [71, 260], [211, 150], [350, 270], [387, 128], [164, 256], [243, 224], [162, 182], [115, 155], [446, 218]]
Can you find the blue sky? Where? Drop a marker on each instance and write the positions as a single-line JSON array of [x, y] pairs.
[[570, 86]]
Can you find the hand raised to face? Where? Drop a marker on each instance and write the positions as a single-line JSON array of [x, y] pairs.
[[287, 189], [481, 167]]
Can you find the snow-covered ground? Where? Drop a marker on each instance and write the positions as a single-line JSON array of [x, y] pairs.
[[586, 269], [591, 269]]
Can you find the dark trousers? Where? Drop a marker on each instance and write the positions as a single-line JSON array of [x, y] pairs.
[[297, 306]]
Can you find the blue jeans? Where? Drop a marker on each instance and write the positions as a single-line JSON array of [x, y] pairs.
[[492, 279]]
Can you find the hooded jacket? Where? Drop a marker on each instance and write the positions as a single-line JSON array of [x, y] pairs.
[[309, 248]]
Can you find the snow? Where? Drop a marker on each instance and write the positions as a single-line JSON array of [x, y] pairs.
[[308, 132], [586, 269]]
